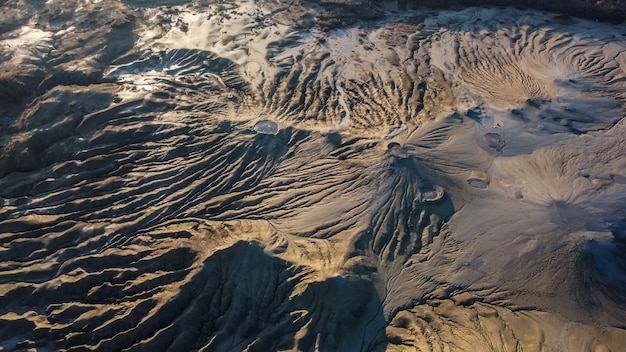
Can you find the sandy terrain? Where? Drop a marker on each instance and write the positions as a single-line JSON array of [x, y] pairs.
[[286, 175]]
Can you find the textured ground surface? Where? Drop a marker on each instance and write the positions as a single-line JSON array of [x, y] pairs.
[[264, 176], [614, 10]]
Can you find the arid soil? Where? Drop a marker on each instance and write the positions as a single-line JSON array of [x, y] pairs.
[[313, 176]]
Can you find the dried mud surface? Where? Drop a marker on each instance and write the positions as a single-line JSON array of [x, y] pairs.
[[285, 175]]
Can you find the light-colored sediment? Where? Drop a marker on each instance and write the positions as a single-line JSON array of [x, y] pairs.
[[229, 176]]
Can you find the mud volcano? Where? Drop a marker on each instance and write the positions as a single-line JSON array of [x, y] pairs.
[[303, 176]]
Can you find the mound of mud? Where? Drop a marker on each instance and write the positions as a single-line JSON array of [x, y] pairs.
[[271, 176]]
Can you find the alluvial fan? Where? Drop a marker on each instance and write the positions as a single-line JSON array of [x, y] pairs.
[[285, 175]]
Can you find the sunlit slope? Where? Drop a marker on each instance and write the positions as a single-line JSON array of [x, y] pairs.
[[233, 177]]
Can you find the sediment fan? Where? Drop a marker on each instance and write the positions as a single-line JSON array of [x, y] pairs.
[[228, 176]]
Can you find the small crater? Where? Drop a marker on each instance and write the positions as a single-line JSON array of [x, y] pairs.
[[397, 151], [478, 179], [494, 140], [266, 127], [433, 195], [478, 183]]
